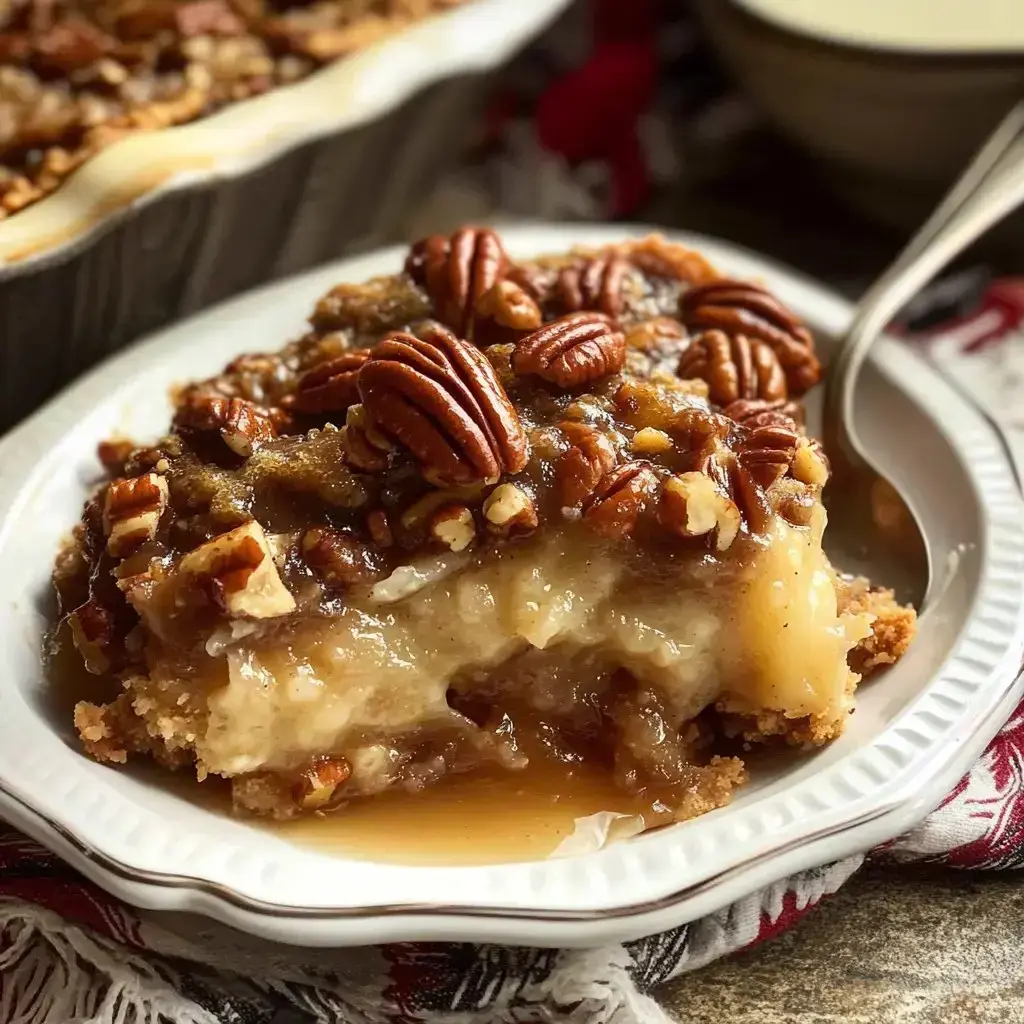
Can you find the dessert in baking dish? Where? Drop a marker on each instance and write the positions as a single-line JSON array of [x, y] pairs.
[[483, 512], [77, 75]]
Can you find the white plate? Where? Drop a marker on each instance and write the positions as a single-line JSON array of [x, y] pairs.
[[915, 731]]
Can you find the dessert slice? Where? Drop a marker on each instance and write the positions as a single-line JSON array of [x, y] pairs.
[[483, 512]]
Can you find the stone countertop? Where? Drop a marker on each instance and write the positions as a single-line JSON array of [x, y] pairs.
[[894, 946]]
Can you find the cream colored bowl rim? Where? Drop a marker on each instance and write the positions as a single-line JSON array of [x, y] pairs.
[[949, 27], [478, 35]]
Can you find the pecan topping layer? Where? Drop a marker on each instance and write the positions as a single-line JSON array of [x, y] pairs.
[[572, 351], [329, 387], [739, 307], [439, 397], [619, 498], [592, 284], [457, 271], [734, 367]]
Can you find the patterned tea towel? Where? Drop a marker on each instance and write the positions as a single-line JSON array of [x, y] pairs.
[[69, 952]]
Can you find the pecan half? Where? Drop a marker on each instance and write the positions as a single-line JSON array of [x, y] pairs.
[[734, 367], [237, 571], [243, 425], [131, 512], [509, 510], [768, 452], [457, 271], [329, 387], [694, 505], [739, 307], [581, 467], [439, 397], [751, 413], [572, 351], [592, 284], [340, 559], [619, 498]]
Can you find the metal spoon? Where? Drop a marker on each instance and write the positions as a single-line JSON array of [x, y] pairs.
[[866, 513]]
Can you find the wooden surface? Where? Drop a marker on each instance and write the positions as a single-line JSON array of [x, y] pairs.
[[913, 946]]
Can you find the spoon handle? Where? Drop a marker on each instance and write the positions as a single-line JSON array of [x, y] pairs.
[[990, 189]]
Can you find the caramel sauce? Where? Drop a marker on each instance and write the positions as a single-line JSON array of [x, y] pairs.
[[481, 818]]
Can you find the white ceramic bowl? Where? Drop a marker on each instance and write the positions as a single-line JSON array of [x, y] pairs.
[[915, 731]]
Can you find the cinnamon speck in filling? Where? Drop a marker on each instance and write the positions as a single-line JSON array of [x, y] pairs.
[[482, 513]]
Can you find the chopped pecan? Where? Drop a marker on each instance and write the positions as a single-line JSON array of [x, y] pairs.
[[329, 387], [592, 284], [510, 306], [810, 464], [366, 448], [457, 271], [739, 307], [319, 784], [581, 467], [572, 351], [509, 510], [655, 335], [237, 571], [695, 505], [244, 426], [619, 498], [131, 512], [734, 367], [754, 412], [340, 559], [651, 441], [452, 525], [439, 397]]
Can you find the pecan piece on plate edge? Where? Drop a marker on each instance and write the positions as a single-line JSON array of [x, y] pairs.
[[481, 512]]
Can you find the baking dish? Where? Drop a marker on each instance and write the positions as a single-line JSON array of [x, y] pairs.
[[163, 223]]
